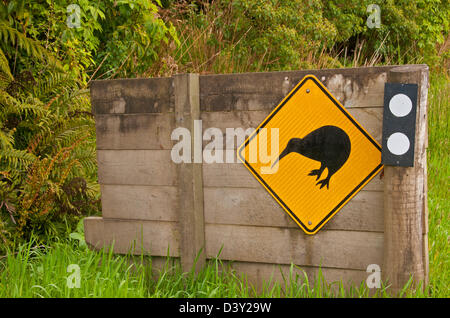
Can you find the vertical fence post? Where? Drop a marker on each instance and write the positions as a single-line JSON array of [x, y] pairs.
[[405, 197], [190, 177]]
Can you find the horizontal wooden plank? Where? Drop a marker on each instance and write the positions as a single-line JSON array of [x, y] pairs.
[[228, 175], [338, 249], [139, 202], [156, 238], [263, 275], [239, 124], [155, 167], [153, 131], [244, 206], [369, 118], [240, 206], [134, 131], [137, 95], [93, 231], [252, 82], [151, 237], [255, 251], [236, 175], [144, 167], [353, 87], [160, 264]]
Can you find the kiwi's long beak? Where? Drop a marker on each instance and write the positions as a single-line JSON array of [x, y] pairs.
[[284, 153]]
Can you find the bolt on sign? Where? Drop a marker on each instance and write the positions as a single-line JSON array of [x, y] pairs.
[[325, 156]]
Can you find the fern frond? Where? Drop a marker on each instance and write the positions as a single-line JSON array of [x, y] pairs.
[[31, 46], [6, 139], [87, 156], [12, 160], [53, 85], [78, 100], [24, 106], [5, 72]]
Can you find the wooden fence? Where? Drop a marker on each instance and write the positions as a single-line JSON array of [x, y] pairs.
[[180, 210]]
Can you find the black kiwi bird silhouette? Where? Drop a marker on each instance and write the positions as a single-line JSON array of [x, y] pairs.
[[328, 144]]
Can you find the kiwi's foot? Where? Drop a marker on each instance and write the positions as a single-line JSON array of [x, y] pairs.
[[324, 182], [316, 172]]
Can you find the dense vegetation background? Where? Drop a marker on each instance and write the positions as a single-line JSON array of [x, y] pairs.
[[51, 50]]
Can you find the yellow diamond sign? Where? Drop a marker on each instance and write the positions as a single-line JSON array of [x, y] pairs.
[[311, 155]]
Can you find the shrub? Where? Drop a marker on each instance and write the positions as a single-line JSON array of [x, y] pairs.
[[46, 142], [115, 38], [409, 30], [48, 174], [255, 35], [251, 35]]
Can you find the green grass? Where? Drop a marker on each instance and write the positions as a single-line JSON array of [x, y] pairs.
[[439, 186], [42, 271]]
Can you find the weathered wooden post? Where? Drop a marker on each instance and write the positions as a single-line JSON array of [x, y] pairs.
[[405, 197], [190, 177]]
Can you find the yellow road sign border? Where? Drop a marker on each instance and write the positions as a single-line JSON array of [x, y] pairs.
[[274, 195]]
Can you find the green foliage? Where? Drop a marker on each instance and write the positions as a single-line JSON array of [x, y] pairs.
[[125, 35], [131, 38], [257, 35], [20, 40], [47, 133], [78, 235], [45, 157], [282, 32], [251, 35], [409, 30], [45, 146], [41, 271], [438, 162]]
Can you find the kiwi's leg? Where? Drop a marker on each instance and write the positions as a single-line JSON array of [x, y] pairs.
[[317, 172]]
